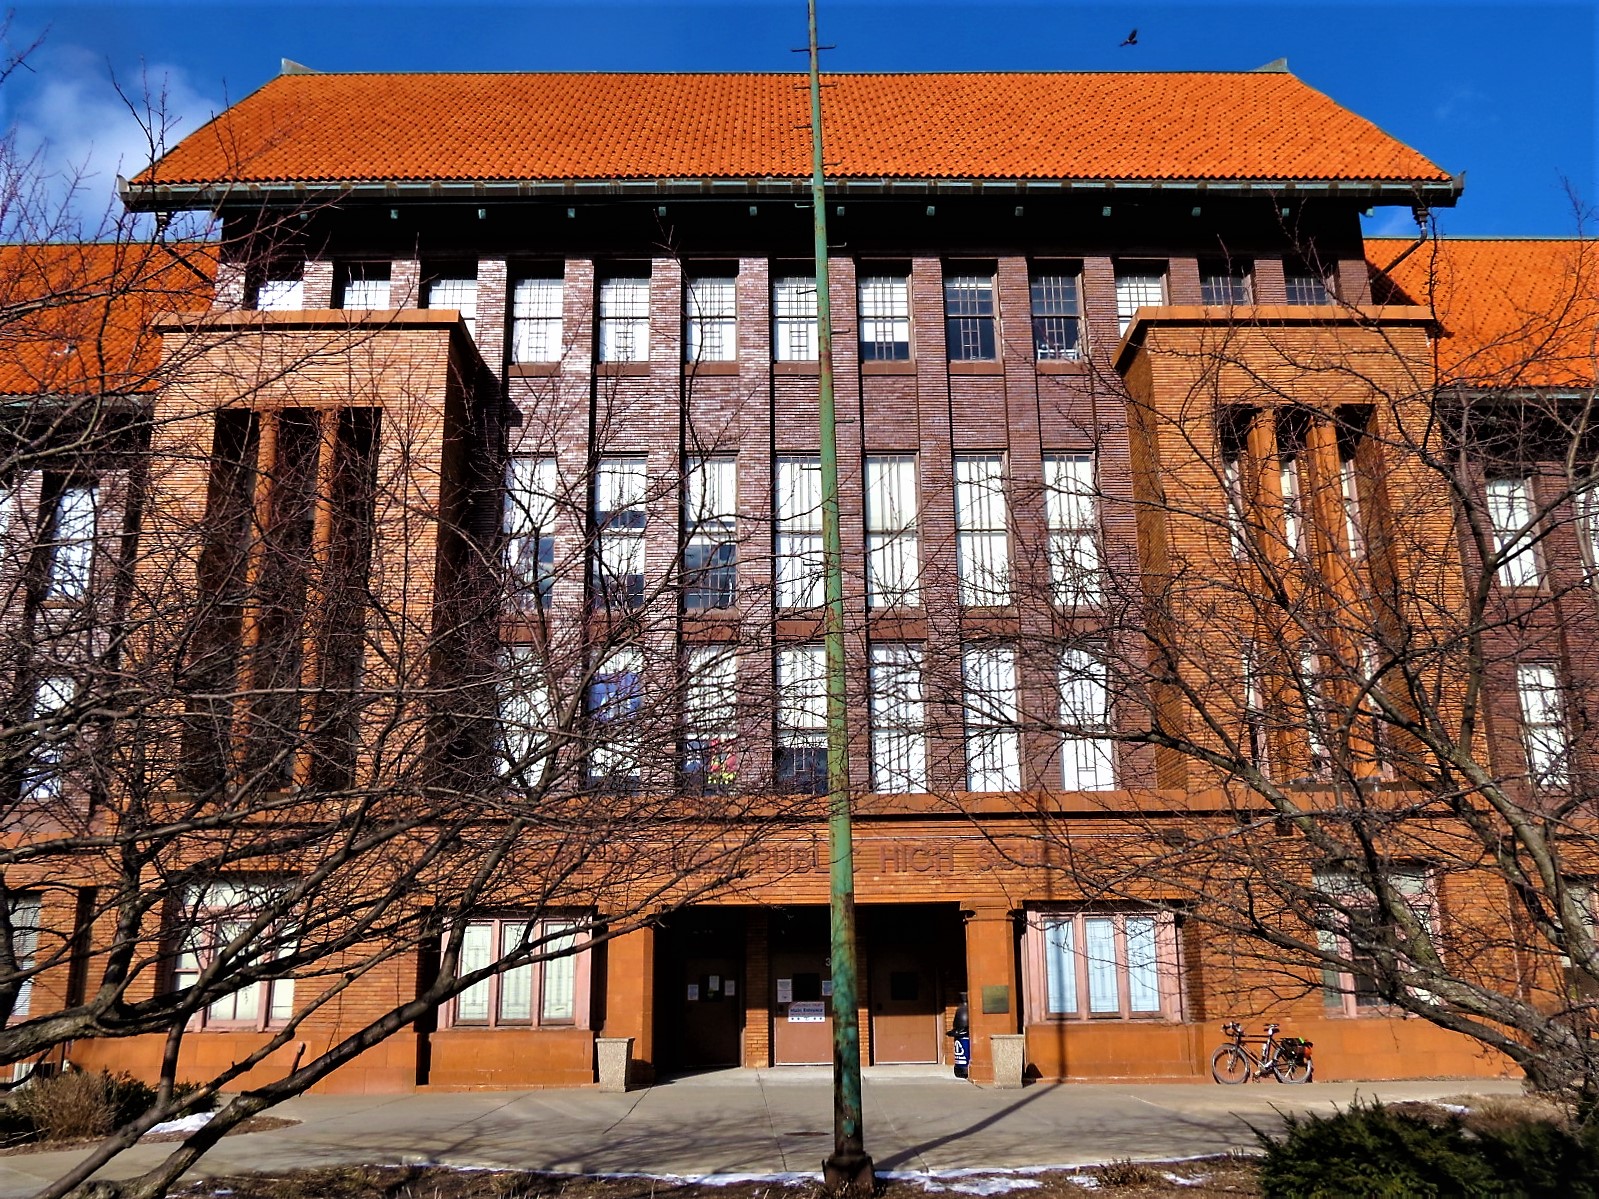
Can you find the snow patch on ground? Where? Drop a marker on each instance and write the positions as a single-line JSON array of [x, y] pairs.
[[1197, 1180], [183, 1123]]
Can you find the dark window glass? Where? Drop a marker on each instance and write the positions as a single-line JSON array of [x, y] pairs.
[[969, 317], [1055, 318]]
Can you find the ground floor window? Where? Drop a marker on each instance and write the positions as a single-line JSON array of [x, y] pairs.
[[1356, 991], [1101, 963], [551, 992], [223, 931]]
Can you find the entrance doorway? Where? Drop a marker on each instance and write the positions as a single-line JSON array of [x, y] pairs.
[[699, 987], [904, 953], [802, 987]]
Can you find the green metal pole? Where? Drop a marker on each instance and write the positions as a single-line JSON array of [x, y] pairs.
[[849, 1168]]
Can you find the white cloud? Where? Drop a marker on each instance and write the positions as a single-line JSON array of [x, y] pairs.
[[70, 122]]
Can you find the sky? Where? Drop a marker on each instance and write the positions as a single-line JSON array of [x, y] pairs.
[[1503, 92]]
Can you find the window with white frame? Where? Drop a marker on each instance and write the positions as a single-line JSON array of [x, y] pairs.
[[1223, 284], [620, 487], [527, 715], [1358, 933], [969, 333], [993, 737], [1088, 756], [898, 723], [71, 545], [1255, 742], [25, 911], [53, 733], [536, 320], [982, 539], [1544, 739], [710, 523], [1306, 286], [1317, 720], [1586, 501], [712, 334], [799, 533], [893, 561], [365, 285], [794, 318], [710, 717], [1102, 963], [531, 494], [1232, 481], [615, 700], [1510, 519], [1293, 505], [885, 318], [222, 930], [1138, 286], [625, 319], [1071, 506], [531, 994], [280, 295], [459, 293], [1057, 316], [1349, 494], [802, 719]]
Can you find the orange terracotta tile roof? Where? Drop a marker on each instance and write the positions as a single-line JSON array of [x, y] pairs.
[[76, 318], [350, 128], [1516, 312]]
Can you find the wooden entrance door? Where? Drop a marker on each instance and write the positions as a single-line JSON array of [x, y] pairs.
[[712, 1012], [904, 998], [802, 1029]]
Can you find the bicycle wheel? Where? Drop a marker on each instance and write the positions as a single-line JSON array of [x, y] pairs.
[[1293, 1067], [1230, 1065]]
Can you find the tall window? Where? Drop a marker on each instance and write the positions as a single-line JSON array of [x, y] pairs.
[[899, 748], [1071, 506], [72, 527], [1587, 505], [24, 918], [1222, 284], [1543, 725], [615, 699], [527, 715], [1139, 286], [619, 519], [217, 916], [885, 318], [993, 741], [625, 320], [1349, 493], [712, 321], [458, 293], [982, 544], [533, 993], [1510, 517], [1103, 963], [1087, 756], [969, 318], [1056, 317], [1306, 286], [710, 521], [365, 285], [892, 558], [799, 533], [710, 717], [280, 295], [531, 493], [52, 700], [802, 719], [794, 318], [1293, 503], [1355, 991], [536, 321]]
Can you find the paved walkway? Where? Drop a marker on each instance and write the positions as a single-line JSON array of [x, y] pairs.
[[761, 1121]]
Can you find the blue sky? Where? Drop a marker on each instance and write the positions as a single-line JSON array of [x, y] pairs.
[[1505, 92]]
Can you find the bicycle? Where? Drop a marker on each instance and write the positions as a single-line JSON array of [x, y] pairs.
[[1287, 1060]]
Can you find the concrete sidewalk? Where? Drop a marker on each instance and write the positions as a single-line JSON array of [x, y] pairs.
[[765, 1121]]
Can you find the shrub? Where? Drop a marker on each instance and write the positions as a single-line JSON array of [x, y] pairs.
[[1376, 1152], [1126, 1173], [79, 1103]]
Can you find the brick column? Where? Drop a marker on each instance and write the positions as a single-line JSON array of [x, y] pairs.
[[757, 996], [630, 997], [991, 963]]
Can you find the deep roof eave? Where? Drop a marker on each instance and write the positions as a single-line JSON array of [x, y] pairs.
[[144, 196]]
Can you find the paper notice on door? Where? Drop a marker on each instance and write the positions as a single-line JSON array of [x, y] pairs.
[[714, 983], [693, 992], [807, 1013], [785, 990], [729, 987], [827, 988]]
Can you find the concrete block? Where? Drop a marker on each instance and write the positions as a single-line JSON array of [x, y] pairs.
[[1010, 1058]]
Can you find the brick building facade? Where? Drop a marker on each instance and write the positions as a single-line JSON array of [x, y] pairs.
[[555, 344]]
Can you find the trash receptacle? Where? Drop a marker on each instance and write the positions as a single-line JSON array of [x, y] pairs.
[[961, 1033]]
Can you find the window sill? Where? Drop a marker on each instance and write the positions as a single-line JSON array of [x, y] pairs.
[[1061, 366], [888, 368], [710, 368], [795, 368], [532, 369], [616, 370], [968, 367]]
